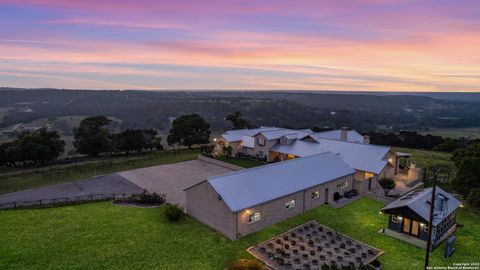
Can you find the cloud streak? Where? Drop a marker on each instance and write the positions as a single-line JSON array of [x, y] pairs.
[[307, 45]]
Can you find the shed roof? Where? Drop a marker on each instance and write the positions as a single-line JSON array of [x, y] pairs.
[[246, 188], [419, 202], [360, 156]]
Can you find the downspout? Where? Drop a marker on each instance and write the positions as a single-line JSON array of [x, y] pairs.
[[236, 225], [303, 201]]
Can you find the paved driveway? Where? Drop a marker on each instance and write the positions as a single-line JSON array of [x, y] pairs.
[[103, 184], [169, 179], [172, 179]]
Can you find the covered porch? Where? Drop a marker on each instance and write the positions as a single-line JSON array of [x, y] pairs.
[[405, 172]]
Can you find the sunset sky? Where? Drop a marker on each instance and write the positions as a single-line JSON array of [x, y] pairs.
[[357, 45]]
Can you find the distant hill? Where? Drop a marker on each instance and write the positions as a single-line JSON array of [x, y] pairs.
[[152, 109]]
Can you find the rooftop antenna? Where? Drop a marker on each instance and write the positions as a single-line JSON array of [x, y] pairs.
[[432, 206]]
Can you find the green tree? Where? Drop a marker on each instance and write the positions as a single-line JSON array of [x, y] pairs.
[[467, 161], [237, 121], [7, 154], [39, 147], [474, 197], [152, 141], [188, 130], [91, 137], [133, 140], [387, 185]]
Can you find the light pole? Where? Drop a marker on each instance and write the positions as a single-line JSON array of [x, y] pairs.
[[432, 207]]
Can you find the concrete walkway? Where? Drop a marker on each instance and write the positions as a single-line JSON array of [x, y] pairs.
[[103, 184]]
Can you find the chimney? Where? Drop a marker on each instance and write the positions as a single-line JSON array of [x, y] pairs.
[[366, 139], [344, 133]]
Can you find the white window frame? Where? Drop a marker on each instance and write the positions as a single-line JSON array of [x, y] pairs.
[[255, 217], [261, 141], [343, 184], [395, 219], [290, 204]]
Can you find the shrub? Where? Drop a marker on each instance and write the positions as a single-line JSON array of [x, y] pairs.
[[387, 185], [148, 198], [173, 212], [244, 264], [474, 197]]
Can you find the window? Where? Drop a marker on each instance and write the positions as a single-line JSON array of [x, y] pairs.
[[368, 175], [395, 219], [261, 141], [254, 217], [316, 194], [290, 204], [343, 184]]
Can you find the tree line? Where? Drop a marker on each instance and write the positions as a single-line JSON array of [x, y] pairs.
[[412, 139]]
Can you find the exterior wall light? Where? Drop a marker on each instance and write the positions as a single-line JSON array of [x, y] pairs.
[[400, 218]]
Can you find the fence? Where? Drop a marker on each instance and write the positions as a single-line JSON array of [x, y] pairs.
[[61, 201]]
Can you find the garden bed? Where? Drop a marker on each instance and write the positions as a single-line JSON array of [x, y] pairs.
[[143, 200], [311, 245]]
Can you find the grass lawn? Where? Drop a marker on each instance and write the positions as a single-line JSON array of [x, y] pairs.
[[242, 162], [19, 180], [103, 236]]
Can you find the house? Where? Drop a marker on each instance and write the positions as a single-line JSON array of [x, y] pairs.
[[408, 217], [371, 162], [242, 202]]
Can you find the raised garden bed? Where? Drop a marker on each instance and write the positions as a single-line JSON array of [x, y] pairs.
[[312, 250]]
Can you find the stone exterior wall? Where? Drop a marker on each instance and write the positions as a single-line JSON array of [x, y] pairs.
[[205, 206]]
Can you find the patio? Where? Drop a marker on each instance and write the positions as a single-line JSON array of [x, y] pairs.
[[311, 245]]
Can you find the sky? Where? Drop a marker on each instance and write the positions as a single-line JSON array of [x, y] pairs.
[[355, 45]]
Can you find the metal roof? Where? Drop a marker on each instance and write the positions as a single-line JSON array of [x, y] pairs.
[[246, 188], [419, 202], [353, 136], [237, 134], [276, 134], [360, 156], [248, 141]]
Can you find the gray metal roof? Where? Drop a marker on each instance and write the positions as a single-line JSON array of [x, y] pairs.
[[276, 134], [419, 202], [246, 188], [360, 156], [237, 134], [353, 136], [248, 141]]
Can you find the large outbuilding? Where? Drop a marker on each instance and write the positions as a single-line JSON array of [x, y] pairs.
[[409, 217], [242, 202]]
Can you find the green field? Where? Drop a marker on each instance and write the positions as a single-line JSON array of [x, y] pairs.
[[472, 133], [23, 179], [242, 162], [103, 236], [428, 159]]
